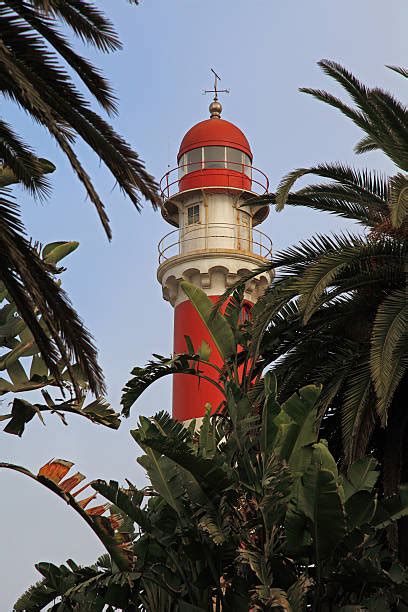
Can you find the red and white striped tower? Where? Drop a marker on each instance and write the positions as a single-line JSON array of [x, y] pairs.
[[208, 199]]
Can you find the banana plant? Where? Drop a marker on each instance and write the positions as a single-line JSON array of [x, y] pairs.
[[247, 513], [26, 370]]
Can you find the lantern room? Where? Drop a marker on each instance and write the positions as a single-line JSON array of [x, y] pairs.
[[214, 153], [214, 157]]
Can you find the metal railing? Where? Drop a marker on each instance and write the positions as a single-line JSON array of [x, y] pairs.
[[169, 183], [214, 236]]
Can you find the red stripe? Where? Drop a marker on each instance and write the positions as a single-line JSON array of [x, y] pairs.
[[190, 394]]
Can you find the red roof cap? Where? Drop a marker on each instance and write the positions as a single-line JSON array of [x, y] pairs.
[[214, 132]]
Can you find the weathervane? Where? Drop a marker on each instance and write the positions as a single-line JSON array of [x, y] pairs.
[[215, 91], [215, 106]]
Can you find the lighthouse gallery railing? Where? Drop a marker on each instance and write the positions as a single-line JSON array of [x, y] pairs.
[[170, 182], [230, 236]]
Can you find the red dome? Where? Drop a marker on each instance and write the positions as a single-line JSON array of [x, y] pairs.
[[214, 132]]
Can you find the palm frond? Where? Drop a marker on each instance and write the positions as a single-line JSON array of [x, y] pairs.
[[276, 298], [286, 185], [84, 19], [357, 262], [358, 184], [399, 70], [366, 144], [379, 114], [16, 156], [234, 308], [295, 260], [30, 284], [352, 184], [389, 120], [389, 355], [154, 370], [357, 90], [90, 76], [357, 117], [357, 411], [342, 201], [398, 199], [319, 353], [32, 76], [324, 273]]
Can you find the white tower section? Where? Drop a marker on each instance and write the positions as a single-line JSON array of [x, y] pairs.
[[215, 244]]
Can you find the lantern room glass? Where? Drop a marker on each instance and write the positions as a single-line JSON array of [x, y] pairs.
[[214, 157], [235, 160]]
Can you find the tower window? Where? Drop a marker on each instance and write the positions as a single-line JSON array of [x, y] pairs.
[[193, 214]]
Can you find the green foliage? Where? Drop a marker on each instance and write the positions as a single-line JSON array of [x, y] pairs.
[[29, 283], [250, 512], [8, 177], [162, 366], [336, 313], [245, 513], [217, 325], [27, 370], [38, 66], [230, 337]]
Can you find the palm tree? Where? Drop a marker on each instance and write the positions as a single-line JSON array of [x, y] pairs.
[[337, 313], [33, 75], [34, 57]]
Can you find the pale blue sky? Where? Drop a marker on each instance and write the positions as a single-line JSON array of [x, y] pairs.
[[264, 51]]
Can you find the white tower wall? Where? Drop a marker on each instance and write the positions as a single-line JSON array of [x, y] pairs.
[[214, 252]]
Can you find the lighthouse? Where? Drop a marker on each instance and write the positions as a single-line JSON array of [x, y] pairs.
[[210, 200]]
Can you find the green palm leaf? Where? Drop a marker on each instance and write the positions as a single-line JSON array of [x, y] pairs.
[[86, 21], [390, 120], [379, 114], [91, 77], [357, 261], [160, 367], [19, 164], [399, 199], [353, 184], [389, 348], [366, 144], [357, 410], [343, 201], [399, 70]]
